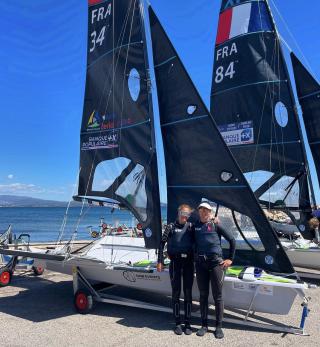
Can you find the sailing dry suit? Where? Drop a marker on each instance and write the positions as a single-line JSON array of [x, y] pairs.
[[208, 257], [180, 251]]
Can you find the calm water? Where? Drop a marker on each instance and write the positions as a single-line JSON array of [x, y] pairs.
[[43, 224]]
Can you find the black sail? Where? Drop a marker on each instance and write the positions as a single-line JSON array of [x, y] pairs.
[[253, 105], [308, 90], [117, 154], [198, 163]]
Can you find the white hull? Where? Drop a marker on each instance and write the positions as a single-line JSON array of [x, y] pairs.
[[269, 297], [251, 294], [306, 258]]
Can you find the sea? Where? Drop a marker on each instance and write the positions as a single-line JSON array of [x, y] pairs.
[[44, 224]]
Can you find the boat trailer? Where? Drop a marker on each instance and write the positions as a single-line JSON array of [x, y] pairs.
[[86, 293]]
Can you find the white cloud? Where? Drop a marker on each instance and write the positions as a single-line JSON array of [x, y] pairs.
[[20, 188], [10, 177]]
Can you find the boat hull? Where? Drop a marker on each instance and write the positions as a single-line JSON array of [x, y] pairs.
[[264, 297], [306, 258]]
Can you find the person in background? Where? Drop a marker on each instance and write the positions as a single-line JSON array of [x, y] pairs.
[[314, 225], [316, 213], [179, 237], [210, 264]]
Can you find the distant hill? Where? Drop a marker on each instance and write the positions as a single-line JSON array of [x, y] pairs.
[[25, 201]]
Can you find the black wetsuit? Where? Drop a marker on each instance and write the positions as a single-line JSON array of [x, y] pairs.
[[208, 257], [180, 251]]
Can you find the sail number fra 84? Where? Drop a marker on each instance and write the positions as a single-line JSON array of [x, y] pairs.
[[229, 71]]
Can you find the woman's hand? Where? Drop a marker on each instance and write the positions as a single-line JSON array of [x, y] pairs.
[[159, 267], [216, 220], [226, 263]]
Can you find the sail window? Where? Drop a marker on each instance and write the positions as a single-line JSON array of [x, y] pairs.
[[107, 172], [191, 109], [134, 84], [281, 114], [242, 228], [134, 191], [279, 193], [257, 178]]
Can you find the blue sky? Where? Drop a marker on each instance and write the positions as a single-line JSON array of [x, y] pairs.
[[42, 78]]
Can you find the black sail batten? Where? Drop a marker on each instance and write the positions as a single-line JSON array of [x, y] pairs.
[[117, 152], [190, 137], [308, 90], [253, 104]]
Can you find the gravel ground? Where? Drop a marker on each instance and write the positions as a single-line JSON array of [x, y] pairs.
[[38, 311]]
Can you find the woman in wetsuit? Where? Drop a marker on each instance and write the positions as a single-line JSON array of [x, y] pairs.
[[210, 265], [179, 237]]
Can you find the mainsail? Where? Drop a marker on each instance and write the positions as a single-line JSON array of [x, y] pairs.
[[198, 162], [308, 90], [253, 105], [118, 155]]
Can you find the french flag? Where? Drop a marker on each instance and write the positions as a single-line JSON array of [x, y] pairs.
[[243, 19]]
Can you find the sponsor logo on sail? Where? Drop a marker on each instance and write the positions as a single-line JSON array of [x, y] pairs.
[[97, 121], [101, 142], [236, 134]]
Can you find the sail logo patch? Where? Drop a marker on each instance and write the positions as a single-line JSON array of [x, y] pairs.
[[243, 19], [97, 121], [236, 134], [101, 142]]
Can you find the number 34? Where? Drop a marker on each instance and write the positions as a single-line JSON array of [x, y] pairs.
[[95, 40], [221, 73]]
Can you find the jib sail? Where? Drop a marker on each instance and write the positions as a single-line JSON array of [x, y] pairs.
[[253, 105], [308, 90], [118, 154], [199, 164]]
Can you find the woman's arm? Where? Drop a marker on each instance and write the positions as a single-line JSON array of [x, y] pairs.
[[164, 240], [232, 245]]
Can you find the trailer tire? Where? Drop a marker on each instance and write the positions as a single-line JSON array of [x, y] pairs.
[[38, 270], [83, 301], [5, 277]]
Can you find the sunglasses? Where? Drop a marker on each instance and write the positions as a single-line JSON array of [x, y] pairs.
[[184, 214]]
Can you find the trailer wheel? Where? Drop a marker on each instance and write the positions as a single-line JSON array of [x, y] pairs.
[[5, 277], [38, 270], [83, 301]]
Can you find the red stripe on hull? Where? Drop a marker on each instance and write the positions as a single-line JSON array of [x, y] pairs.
[[224, 26]]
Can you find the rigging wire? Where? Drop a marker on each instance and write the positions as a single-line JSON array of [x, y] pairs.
[[292, 37]]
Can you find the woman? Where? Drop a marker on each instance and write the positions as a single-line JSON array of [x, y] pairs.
[[179, 237], [210, 265]]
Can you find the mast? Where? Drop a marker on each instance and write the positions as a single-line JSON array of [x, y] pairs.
[[149, 62], [308, 91], [293, 100], [153, 97]]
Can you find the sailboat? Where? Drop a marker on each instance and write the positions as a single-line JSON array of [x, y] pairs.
[[118, 168], [253, 103]]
